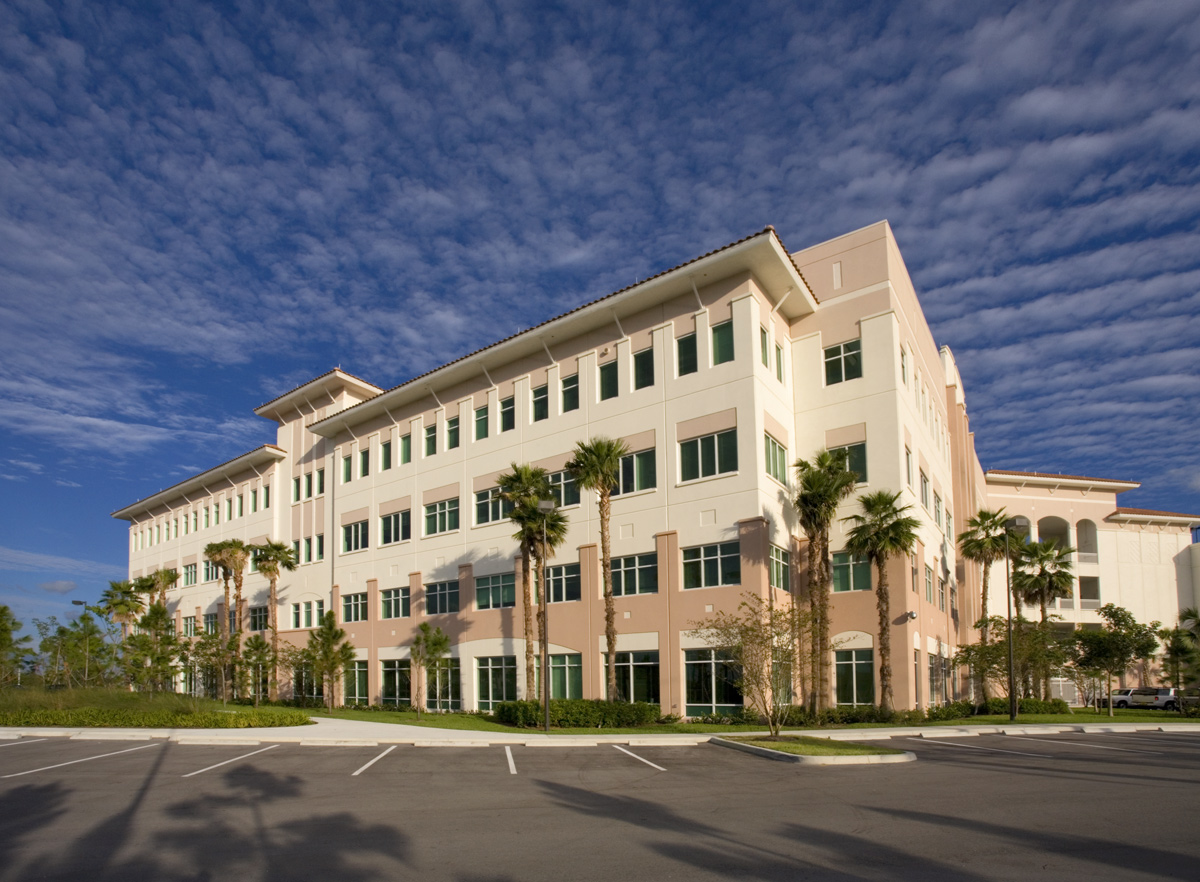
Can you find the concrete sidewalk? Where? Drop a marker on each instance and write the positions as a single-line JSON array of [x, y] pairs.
[[356, 733]]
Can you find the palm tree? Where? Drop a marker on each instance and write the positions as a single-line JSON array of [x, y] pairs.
[[270, 559], [217, 552], [882, 531], [162, 580], [549, 532], [521, 489], [237, 554], [824, 483], [984, 542], [1041, 574], [123, 604], [596, 465]]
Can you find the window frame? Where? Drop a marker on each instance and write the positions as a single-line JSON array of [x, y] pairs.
[[608, 380], [643, 368], [686, 355], [719, 453], [700, 562], [570, 393], [635, 568], [356, 534], [444, 596], [722, 338], [446, 516], [841, 360]]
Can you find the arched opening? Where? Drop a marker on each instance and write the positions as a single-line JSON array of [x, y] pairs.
[[1055, 528], [1085, 541]]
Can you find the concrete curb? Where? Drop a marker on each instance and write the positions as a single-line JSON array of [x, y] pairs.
[[780, 756]]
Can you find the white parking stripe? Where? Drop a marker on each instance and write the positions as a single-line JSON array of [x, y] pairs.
[[636, 757], [374, 761], [84, 760], [1084, 744], [24, 741], [228, 761], [512, 767], [976, 747]]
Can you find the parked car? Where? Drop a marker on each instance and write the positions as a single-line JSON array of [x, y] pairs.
[[1120, 698], [1163, 698]]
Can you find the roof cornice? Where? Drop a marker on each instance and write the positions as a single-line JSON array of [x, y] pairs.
[[1056, 482]]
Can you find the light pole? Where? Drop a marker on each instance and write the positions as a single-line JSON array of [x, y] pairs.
[[87, 642], [1017, 523], [545, 507]]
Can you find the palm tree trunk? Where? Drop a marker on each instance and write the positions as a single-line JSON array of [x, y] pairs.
[[883, 604], [610, 610], [541, 622], [527, 604], [814, 630], [823, 652], [273, 686], [983, 630]]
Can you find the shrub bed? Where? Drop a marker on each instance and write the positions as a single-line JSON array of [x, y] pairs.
[[579, 713], [94, 717], [1028, 706]]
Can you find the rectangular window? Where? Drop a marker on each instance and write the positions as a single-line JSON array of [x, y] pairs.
[[685, 355], [928, 585], [320, 546], [441, 598], [541, 403], [443, 689], [452, 433], [385, 456], [395, 603], [508, 414], [481, 423], [210, 623], [562, 485], [937, 510], [924, 490], [354, 607], [189, 626], [308, 550], [708, 455], [851, 574], [496, 592], [266, 497], [563, 583], [308, 485], [643, 368], [779, 363], [497, 680], [765, 340], [395, 527], [638, 472], [490, 506], [608, 381], [207, 517], [347, 470], [211, 571], [189, 575], [903, 366], [942, 594], [637, 676], [843, 362], [776, 457], [229, 508], [295, 490], [855, 670], [908, 469], [241, 511], [708, 566], [781, 569], [570, 393], [636, 574], [566, 675], [397, 682], [441, 517], [912, 560], [356, 683], [431, 440], [405, 449], [364, 462], [856, 459], [355, 536], [253, 509], [296, 549], [710, 676], [259, 620], [722, 342]]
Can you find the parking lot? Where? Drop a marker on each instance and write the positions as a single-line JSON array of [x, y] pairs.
[[1112, 806]]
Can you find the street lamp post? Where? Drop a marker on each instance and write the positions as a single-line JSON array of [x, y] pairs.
[[545, 507], [1017, 523]]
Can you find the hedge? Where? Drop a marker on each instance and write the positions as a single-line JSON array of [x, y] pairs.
[[93, 717], [579, 713], [1029, 706]]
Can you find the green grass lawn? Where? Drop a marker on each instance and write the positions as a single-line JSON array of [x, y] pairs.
[[89, 708], [806, 745]]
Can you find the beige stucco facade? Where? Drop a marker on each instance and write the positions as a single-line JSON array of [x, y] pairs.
[[351, 459]]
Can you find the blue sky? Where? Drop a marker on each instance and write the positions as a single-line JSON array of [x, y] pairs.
[[202, 205]]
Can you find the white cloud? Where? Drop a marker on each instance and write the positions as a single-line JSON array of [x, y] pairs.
[[34, 562], [59, 586]]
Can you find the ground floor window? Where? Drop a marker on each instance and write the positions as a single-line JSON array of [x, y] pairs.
[[710, 677], [305, 685], [566, 675], [356, 683], [443, 685], [937, 679], [637, 676], [396, 688], [497, 680], [855, 676]]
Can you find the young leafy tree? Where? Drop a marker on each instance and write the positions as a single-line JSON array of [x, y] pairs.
[[884, 530], [258, 658], [151, 658], [329, 652], [824, 483], [1042, 574], [596, 465], [521, 489], [122, 604], [13, 648], [270, 559], [1115, 648], [211, 653], [429, 646], [760, 639]]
